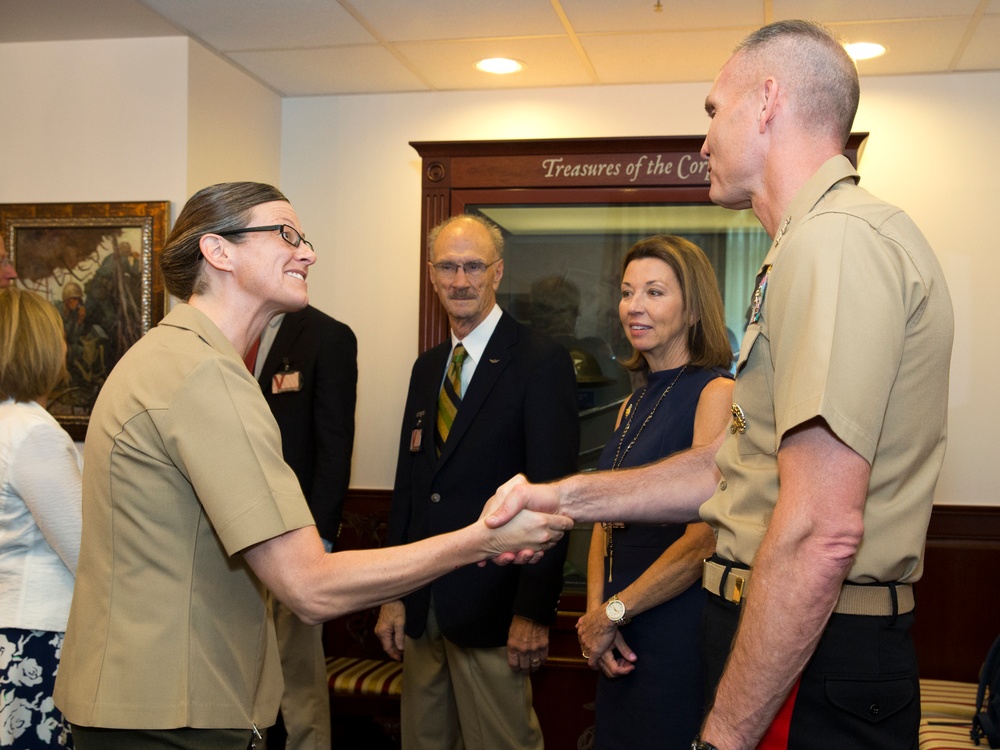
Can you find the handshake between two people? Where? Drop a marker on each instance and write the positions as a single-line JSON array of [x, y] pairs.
[[670, 490], [521, 513]]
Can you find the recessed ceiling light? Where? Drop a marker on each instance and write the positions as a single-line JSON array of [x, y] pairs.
[[864, 50], [499, 65]]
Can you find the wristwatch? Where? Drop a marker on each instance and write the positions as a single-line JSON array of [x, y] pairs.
[[699, 744], [615, 610]]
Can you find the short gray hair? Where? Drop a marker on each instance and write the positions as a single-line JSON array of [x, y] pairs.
[[822, 76], [496, 236]]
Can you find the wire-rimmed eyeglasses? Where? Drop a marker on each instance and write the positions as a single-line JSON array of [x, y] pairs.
[[288, 233], [473, 268]]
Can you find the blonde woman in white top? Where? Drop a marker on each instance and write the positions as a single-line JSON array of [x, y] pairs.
[[39, 522]]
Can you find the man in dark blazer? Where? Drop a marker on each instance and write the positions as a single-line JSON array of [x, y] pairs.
[[473, 637], [307, 367]]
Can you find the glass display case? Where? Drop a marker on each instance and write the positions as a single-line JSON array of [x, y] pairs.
[[562, 274]]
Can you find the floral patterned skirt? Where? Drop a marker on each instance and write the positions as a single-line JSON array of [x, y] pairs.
[[29, 660]]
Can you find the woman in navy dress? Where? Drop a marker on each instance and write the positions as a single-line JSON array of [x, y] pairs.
[[644, 596]]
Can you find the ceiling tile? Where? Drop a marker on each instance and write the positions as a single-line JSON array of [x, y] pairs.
[[303, 47], [982, 51], [340, 70], [590, 16], [451, 65], [912, 46], [229, 25], [413, 20], [665, 57], [833, 11]]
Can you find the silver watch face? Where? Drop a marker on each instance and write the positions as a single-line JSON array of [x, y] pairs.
[[615, 610]]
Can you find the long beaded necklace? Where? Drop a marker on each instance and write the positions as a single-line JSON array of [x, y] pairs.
[[609, 527]]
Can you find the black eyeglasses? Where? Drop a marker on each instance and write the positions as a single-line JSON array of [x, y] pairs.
[[288, 234]]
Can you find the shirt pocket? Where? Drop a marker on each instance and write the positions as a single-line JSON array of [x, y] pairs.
[[753, 397]]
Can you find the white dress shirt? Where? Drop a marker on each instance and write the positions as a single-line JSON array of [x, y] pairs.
[[475, 344]]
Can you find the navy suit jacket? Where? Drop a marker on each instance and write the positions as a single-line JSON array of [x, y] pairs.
[[316, 422], [518, 415]]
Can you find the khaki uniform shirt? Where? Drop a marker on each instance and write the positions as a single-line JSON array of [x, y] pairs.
[[182, 470], [852, 322]]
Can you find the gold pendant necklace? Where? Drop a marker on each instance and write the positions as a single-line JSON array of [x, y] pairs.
[[610, 526]]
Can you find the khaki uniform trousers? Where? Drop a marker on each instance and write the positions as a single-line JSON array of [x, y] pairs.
[[458, 698], [305, 704]]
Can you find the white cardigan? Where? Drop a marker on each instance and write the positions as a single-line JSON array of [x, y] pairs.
[[40, 518]]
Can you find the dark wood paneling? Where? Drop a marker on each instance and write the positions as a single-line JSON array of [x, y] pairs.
[[564, 689], [957, 616], [364, 526]]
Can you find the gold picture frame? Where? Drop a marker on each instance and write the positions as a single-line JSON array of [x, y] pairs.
[[98, 264]]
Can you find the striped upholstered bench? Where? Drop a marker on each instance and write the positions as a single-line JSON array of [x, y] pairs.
[[946, 710], [372, 678]]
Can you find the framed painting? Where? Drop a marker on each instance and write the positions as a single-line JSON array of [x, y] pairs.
[[98, 264]]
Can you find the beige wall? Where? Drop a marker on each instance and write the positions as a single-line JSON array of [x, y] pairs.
[[86, 121], [155, 119], [135, 119], [233, 125]]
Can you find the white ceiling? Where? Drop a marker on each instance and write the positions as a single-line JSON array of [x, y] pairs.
[[321, 47]]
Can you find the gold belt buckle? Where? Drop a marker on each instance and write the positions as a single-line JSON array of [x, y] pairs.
[[738, 583]]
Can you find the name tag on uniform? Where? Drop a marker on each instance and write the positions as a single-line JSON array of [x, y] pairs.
[[288, 381], [417, 434]]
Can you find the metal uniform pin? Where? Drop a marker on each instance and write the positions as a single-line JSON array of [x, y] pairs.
[[739, 420], [758, 295], [781, 232]]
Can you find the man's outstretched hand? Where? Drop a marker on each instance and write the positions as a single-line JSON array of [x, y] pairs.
[[511, 498]]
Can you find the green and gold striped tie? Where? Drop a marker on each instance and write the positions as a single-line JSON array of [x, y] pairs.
[[450, 397]]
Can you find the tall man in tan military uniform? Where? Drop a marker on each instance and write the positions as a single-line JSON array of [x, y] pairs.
[[825, 477]]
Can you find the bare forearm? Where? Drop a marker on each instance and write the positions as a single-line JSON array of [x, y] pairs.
[[318, 586], [595, 569], [356, 579], [668, 491], [672, 573]]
